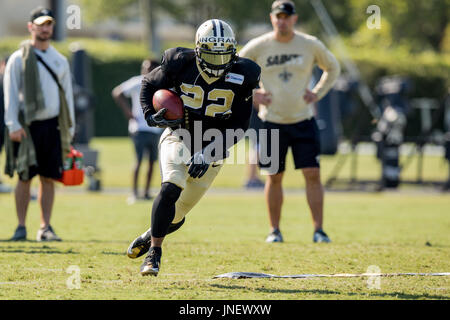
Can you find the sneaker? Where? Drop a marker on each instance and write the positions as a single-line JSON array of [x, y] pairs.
[[131, 200], [321, 236], [254, 184], [275, 236], [140, 245], [147, 197], [150, 266], [47, 234], [20, 234]]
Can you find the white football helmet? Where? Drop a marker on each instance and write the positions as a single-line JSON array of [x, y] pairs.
[[215, 47]]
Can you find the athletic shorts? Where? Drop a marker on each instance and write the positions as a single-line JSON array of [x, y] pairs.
[[146, 142], [47, 145], [174, 156], [301, 137]]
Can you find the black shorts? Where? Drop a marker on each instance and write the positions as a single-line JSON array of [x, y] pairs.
[[146, 142], [47, 144], [302, 137]]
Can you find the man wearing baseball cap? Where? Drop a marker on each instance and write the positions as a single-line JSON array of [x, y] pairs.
[[287, 58], [39, 115]]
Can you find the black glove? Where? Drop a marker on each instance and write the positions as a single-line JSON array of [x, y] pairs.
[[198, 165], [158, 120]]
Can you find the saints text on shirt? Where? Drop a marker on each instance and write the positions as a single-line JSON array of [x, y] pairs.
[[284, 59]]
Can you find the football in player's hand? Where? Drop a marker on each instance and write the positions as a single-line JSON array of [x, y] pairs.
[[168, 99]]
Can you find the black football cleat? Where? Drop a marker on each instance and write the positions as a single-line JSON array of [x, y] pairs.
[[150, 266], [140, 245]]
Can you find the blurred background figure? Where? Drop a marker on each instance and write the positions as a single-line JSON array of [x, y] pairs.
[[39, 114], [287, 58], [3, 188], [145, 138]]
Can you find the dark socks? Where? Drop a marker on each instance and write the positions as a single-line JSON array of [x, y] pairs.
[[163, 210]]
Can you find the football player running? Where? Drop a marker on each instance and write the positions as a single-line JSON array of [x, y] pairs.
[[216, 88]]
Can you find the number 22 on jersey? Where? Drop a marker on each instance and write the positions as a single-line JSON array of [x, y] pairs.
[[193, 97]]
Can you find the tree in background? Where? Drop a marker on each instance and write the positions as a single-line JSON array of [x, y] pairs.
[[416, 24], [419, 25]]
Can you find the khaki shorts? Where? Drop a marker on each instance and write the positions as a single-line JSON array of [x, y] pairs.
[[173, 158]]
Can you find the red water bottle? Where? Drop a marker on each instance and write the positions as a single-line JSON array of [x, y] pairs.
[[78, 167]]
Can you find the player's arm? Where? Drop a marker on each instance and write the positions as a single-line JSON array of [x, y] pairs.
[[159, 78], [152, 82], [122, 101], [11, 86], [260, 96], [331, 70]]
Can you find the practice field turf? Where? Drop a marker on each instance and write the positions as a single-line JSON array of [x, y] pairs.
[[406, 231]]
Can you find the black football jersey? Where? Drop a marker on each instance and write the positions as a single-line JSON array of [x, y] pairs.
[[229, 97]]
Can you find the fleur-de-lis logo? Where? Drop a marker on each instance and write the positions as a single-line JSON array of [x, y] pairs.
[[285, 76]]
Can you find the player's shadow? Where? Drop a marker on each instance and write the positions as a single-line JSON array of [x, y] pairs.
[[265, 290], [35, 250], [97, 241], [398, 295]]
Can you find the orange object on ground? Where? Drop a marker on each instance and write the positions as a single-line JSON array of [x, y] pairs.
[[73, 174]]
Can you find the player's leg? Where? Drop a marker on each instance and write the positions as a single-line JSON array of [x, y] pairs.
[[47, 143], [174, 155], [22, 198], [148, 180], [306, 152], [273, 190], [163, 212], [194, 191], [139, 151], [46, 198], [190, 196], [152, 148], [315, 198], [314, 195]]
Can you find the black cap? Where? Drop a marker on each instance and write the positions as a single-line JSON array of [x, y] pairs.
[[41, 15], [283, 6]]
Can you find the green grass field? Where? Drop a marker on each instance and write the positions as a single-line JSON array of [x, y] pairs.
[[406, 231]]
